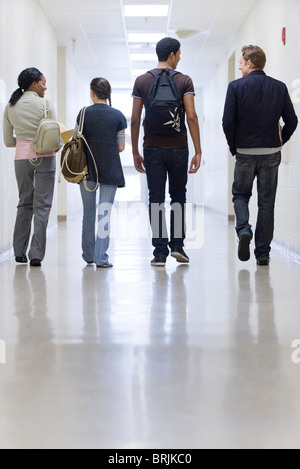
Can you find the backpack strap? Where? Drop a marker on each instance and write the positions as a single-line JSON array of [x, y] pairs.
[[85, 180], [173, 73], [80, 135], [154, 73], [168, 71], [81, 122], [46, 111]]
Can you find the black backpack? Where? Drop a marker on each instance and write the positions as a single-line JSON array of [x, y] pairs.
[[164, 108]]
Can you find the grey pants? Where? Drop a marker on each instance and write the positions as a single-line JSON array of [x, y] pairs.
[[36, 189]]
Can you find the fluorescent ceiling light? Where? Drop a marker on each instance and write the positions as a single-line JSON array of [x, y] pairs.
[[142, 46], [143, 57], [146, 10], [145, 37]]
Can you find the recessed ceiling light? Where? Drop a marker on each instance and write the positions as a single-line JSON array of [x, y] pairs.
[[142, 46], [146, 10], [145, 37]]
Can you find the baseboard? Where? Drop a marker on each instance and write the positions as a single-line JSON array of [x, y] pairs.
[[286, 249], [5, 252]]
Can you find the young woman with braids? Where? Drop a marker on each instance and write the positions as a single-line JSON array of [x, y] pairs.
[[22, 116], [104, 130]]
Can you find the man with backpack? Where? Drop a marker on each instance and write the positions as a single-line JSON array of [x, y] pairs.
[[167, 96]]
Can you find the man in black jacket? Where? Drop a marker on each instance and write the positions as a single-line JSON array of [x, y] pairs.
[[254, 106]]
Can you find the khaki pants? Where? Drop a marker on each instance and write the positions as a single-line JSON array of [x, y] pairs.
[[36, 189]]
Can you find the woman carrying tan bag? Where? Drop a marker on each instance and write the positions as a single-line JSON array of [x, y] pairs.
[[104, 132]]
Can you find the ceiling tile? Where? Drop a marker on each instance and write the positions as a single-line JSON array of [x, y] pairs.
[[101, 34]]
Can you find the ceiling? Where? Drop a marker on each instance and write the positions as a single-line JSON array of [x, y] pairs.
[[98, 34]]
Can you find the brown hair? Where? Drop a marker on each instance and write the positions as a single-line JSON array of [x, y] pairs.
[[256, 55], [102, 89]]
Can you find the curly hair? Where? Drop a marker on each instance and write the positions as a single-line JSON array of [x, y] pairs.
[[165, 47]]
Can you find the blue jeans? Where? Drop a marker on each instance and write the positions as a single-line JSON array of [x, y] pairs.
[[95, 247], [265, 169], [161, 163]]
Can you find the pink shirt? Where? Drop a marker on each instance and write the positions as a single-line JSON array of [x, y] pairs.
[[25, 151]]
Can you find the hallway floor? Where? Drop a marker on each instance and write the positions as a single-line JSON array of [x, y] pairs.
[[195, 356]]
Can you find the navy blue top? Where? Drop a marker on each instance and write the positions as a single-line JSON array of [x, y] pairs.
[[101, 126], [254, 106]]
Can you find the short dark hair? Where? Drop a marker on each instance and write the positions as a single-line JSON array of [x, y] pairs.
[[165, 47], [102, 88], [25, 80], [256, 55]]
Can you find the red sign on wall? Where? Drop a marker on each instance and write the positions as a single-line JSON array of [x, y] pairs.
[[284, 36]]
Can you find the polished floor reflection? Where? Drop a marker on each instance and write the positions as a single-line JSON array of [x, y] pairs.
[[195, 356]]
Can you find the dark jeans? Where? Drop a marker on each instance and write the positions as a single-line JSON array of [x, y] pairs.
[[161, 163], [265, 168]]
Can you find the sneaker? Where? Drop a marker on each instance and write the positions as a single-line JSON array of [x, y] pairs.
[[180, 256], [36, 263], [159, 261], [264, 261], [244, 248]]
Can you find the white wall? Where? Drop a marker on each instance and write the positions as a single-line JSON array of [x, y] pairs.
[[73, 95], [215, 150], [195, 181], [27, 40], [263, 27]]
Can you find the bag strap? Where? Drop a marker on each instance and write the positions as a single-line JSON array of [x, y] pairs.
[[46, 111], [154, 73], [171, 73], [38, 161], [81, 122], [85, 181], [80, 134], [65, 162]]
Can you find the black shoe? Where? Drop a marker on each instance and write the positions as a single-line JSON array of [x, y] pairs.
[[159, 261], [180, 256], [21, 260], [264, 261], [36, 263], [244, 248]]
